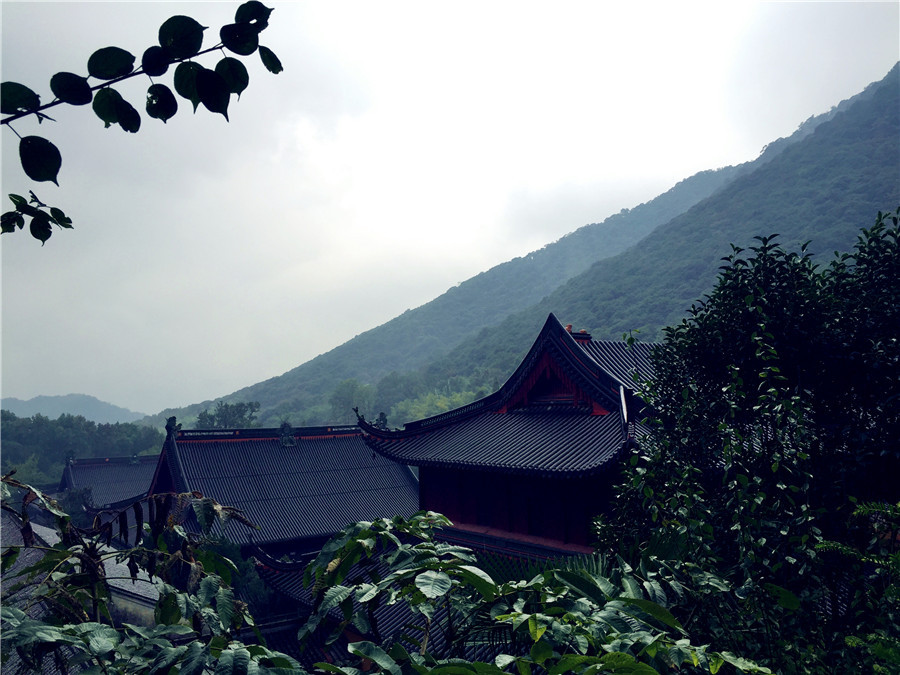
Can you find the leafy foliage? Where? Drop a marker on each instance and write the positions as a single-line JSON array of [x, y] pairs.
[[563, 620], [878, 597], [570, 620], [198, 616], [180, 41], [775, 399]]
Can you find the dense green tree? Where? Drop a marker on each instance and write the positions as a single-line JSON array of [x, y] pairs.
[[229, 416], [395, 387], [775, 404], [429, 404]]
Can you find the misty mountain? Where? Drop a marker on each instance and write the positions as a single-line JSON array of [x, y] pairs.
[[639, 269], [71, 404], [822, 189]]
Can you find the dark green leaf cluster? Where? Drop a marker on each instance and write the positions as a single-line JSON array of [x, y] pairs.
[[43, 217], [180, 41], [879, 565], [590, 616]]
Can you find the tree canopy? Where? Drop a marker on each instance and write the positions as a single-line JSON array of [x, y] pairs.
[[776, 412], [240, 415], [38, 447]]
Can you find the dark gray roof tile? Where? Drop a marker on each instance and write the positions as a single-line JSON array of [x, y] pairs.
[[518, 441], [522, 429], [310, 489], [112, 480]]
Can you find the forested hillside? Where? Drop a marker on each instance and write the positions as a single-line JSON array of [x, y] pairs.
[[38, 447], [823, 183], [420, 335], [822, 190]]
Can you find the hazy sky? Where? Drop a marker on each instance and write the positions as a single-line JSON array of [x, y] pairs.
[[406, 147]]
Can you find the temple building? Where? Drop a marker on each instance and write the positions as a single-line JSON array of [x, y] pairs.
[[532, 464]]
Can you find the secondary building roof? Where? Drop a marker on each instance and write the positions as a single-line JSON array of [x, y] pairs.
[[115, 482], [305, 483], [568, 409]]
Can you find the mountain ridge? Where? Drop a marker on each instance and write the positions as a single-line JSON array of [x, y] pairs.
[[430, 333], [847, 153], [89, 407]]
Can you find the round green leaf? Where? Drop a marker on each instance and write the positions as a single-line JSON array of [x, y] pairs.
[[270, 61], [181, 37], [240, 38], [234, 73], [213, 91], [109, 63], [40, 158], [71, 88], [129, 118], [16, 98], [253, 12], [161, 103], [433, 584], [106, 106], [186, 81], [155, 61], [784, 597], [40, 227]]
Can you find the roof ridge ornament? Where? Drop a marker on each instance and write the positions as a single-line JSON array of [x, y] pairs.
[[171, 426], [288, 438]]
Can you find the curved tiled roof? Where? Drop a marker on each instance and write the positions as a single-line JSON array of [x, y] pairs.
[[622, 361], [511, 432], [113, 480], [515, 442], [311, 487]]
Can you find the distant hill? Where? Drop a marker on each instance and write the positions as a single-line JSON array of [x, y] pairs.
[[640, 268], [72, 404]]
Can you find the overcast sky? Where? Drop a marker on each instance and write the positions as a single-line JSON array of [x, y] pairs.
[[406, 147]]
